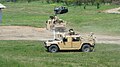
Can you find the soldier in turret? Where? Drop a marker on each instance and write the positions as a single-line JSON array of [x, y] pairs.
[[50, 23], [57, 20], [71, 32]]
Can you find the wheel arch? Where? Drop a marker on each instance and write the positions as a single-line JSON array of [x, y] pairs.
[[85, 44], [56, 45]]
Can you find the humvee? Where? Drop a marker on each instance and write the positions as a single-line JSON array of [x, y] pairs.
[[71, 42], [54, 23]]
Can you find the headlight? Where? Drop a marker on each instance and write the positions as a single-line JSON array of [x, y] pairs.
[[49, 40]]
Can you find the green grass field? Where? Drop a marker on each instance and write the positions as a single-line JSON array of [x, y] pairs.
[[89, 20], [34, 54]]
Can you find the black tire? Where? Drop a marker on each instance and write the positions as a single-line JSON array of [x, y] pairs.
[[86, 48], [53, 49]]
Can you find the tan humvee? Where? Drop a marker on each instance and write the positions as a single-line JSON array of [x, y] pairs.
[[71, 42], [55, 23]]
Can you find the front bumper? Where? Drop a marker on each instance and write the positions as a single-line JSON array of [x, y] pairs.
[[45, 44]]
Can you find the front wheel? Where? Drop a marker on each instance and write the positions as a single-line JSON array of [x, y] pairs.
[[53, 49], [86, 48]]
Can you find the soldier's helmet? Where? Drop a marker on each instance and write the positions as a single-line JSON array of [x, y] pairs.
[[71, 32], [52, 17]]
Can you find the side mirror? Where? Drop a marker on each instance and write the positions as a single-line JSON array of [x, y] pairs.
[[46, 21], [64, 40]]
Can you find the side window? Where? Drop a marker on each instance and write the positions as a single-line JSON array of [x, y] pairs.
[[76, 39], [64, 39]]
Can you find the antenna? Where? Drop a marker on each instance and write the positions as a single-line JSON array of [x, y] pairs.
[[54, 33]]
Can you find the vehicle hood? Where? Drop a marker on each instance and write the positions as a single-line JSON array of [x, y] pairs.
[[53, 41]]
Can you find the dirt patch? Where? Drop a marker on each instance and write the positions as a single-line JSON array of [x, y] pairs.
[[32, 33], [113, 11], [24, 33], [108, 39]]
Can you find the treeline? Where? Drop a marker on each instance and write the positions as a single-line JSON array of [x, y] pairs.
[[68, 2], [80, 2]]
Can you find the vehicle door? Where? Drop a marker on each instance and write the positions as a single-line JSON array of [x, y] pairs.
[[67, 42], [76, 42]]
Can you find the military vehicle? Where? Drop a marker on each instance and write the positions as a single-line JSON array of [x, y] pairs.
[[60, 10], [66, 41], [54, 23], [71, 41]]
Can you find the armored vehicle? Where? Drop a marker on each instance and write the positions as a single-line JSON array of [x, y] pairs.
[[54, 23], [71, 42]]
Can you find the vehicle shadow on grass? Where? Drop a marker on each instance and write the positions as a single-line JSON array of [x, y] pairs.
[[66, 51], [70, 51]]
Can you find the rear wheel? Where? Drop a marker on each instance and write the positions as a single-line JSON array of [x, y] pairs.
[[86, 48], [53, 49]]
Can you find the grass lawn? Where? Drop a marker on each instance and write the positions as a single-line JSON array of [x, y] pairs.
[[33, 54], [89, 20]]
